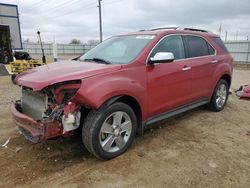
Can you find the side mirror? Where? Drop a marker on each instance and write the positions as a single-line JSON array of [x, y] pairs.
[[162, 57]]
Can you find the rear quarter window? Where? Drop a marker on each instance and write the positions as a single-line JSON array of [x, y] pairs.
[[219, 42], [211, 51]]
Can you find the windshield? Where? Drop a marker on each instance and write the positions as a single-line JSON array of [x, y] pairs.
[[118, 50]]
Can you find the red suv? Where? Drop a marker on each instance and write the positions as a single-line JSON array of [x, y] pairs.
[[122, 85]]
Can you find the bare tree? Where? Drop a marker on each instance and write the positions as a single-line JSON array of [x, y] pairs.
[[75, 41]]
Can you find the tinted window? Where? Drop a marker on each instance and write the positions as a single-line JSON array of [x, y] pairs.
[[218, 41], [197, 46], [210, 49], [172, 44]]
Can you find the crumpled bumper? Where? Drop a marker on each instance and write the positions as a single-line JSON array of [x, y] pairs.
[[32, 129], [244, 92]]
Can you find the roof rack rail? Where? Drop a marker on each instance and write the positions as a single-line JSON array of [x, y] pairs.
[[193, 29], [160, 28], [177, 28]]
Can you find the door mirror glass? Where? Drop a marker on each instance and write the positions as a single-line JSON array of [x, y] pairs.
[[162, 57]]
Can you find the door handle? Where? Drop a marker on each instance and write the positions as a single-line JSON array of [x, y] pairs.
[[214, 61], [186, 68]]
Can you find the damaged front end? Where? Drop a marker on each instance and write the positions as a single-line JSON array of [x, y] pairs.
[[49, 113]]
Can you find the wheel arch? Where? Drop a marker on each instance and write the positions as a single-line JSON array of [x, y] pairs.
[[133, 103], [227, 78]]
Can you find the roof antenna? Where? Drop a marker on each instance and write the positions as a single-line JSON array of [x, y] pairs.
[[39, 37]]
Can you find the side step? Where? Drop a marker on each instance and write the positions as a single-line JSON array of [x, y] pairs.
[[176, 112]]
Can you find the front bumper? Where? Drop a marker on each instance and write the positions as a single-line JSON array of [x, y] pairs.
[[32, 129]]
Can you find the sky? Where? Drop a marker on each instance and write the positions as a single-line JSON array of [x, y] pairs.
[[63, 20]]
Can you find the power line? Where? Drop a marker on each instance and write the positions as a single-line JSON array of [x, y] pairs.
[[88, 6], [38, 3], [113, 2], [62, 5], [51, 12]]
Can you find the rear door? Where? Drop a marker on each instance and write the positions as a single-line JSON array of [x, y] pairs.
[[203, 63], [169, 84]]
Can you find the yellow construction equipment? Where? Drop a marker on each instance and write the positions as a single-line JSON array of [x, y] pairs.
[[19, 66], [23, 62]]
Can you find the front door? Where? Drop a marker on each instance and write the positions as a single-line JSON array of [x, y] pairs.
[[169, 84]]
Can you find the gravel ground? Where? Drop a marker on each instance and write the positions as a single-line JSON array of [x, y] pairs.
[[196, 149]]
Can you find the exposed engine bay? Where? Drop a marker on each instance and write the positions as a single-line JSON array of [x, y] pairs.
[[52, 109]]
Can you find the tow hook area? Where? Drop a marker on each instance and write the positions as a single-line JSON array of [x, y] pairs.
[[71, 117]]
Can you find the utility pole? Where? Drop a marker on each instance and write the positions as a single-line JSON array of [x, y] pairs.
[[220, 29], [100, 18], [226, 36]]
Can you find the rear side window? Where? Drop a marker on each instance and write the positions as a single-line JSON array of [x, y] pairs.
[[218, 41], [197, 46]]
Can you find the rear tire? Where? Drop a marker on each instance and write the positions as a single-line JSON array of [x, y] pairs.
[[220, 96], [109, 131]]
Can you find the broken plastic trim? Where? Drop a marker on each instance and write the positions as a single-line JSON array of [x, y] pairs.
[[64, 91]]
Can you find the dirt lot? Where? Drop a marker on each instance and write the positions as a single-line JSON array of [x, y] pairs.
[[197, 149]]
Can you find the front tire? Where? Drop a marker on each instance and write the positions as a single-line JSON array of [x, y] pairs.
[[220, 96], [109, 131]]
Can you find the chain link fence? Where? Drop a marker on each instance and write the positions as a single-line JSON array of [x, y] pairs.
[[240, 50], [62, 49]]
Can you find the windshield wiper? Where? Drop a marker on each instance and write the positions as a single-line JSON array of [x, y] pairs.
[[98, 60]]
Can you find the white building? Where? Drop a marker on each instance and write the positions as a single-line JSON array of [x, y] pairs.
[[9, 19]]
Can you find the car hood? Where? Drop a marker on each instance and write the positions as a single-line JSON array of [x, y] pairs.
[[50, 74]]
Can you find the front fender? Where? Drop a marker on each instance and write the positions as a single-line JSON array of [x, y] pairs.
[[96, 90]]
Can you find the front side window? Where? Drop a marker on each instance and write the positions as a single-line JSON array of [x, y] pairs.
[[119, 50], [172, 44], [197, 47]]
